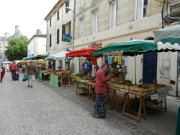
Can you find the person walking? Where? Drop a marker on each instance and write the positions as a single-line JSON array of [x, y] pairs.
[[13, 68], [31, 70], [2, 73], [101, 92]]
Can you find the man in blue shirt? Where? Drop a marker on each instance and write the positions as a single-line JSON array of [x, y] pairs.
[[85, 67]]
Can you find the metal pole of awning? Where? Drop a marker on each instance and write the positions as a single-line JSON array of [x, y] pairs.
[[178, 59]]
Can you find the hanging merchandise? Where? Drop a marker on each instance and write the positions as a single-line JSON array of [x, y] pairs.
[[109, 60], [94, 61], [119, 60], [115, 59]]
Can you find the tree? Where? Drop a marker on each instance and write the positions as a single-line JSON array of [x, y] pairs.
[[17, 48]]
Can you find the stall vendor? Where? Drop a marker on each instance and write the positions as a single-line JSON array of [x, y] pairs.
[[86, 66]]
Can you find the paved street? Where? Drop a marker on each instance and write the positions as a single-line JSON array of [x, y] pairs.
[[46, 110]]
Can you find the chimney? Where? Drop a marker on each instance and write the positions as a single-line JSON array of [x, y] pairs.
[[6, 35], [16, 28], [38, 32]]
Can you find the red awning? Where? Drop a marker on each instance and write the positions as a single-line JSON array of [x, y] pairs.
[[81, 53]]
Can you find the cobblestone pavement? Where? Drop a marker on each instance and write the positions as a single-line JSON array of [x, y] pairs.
[[46, 110]]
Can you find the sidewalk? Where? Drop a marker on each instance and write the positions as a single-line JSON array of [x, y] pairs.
[[47, 110]]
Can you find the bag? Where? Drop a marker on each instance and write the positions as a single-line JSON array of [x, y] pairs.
[[25, 78], [16, 76]]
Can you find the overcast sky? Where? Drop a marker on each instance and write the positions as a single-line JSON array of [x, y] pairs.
[[28, 14]]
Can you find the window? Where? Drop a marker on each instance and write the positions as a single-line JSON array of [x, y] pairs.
[[113, 10], [82, 3], [68, 28], [63, 30], [58, 15], [140, 8], [67, 5], [95, 21], [145, 8], [81, 27], [50, 39], [58, 36], [50, 22]]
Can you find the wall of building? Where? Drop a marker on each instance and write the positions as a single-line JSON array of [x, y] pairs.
[[37, 46], [167, 70], [1, 47], [32, 47], [57, 24], [127, 27], [41, 45]]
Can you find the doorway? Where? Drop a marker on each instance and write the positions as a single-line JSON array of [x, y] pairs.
[[149, 67]]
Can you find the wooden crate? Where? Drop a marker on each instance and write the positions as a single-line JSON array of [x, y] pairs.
[[140, 90], [158, 86], [83, 90], [126, 87]]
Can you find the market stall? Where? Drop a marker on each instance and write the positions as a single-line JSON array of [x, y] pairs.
[[143, 92], [84, 78], [45, 74], [60, 76], [168, 39], [63, 77], [128, 48], [131, 48], [88, 85]]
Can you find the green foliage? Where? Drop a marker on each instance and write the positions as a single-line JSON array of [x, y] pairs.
[[127, 82], [17, 48]]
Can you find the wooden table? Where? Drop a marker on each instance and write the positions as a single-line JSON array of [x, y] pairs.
[[90, 86], [45, 74], [62, 77], [127, 90], [136, 91]]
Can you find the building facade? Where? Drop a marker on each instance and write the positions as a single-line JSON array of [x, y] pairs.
[[60, 29], [4, 41], [3, 45], [105, 22], [17, 32], [168, 66], [113, 21], [37, 44]]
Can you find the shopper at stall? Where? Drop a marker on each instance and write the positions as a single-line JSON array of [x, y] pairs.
[[31, 70], [101, 92]]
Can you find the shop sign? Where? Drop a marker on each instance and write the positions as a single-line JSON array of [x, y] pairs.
[[95, 45]]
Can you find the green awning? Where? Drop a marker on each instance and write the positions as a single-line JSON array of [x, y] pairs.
[[170, 34], [57, 56], [131, 48], [41, 56]]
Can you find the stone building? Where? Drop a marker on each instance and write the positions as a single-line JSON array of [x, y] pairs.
[[37, 44], [4, 41], [113, 21], [3, 45], [17, 32], [59, 29]]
